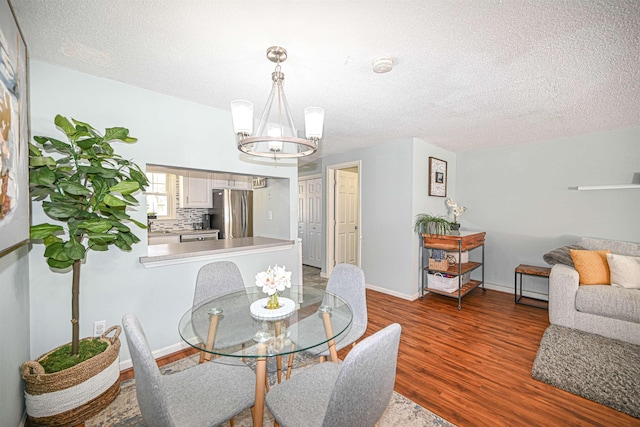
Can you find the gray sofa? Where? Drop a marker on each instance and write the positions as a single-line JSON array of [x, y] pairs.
[[600, 309]]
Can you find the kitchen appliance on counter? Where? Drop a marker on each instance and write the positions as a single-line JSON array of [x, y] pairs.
[[198, 237], [206, 221], [232, 213]]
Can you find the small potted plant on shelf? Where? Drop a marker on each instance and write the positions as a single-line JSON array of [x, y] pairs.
[[431, 224], [86, 189]]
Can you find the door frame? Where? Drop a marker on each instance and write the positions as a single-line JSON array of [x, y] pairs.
[[330, 213]]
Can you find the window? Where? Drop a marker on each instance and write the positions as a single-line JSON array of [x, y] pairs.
[[161, 195]]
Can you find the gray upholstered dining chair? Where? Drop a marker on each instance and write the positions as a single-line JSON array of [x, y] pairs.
[[346, 281], [354, 393], [204, 395], [217, 278]]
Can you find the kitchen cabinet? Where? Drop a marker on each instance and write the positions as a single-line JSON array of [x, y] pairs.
[[195, 190], [221, 181], [241, 183], [460, 242]]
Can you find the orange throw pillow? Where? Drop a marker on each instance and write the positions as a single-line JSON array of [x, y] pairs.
[[592, 266]]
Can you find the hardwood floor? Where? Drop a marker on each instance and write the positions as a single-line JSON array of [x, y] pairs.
[[473, 367]]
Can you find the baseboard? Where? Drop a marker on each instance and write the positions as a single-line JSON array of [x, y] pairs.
[[126, 364], [392, 293], [492, 286]]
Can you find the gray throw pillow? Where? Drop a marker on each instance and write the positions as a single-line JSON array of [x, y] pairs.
[[561, 255]]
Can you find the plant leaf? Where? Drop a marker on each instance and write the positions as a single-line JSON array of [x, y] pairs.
[[125, 187], [42, 176], [110, 200], [65, 125], [54, 263], [74, 249], [96, 226], [118, 134], [74, 188], [35, 161], [41, 231]]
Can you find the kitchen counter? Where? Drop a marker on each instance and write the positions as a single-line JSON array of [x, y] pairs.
[[178, 253], [182, 232]]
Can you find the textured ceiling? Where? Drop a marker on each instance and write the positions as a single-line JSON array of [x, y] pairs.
[[468, 74]]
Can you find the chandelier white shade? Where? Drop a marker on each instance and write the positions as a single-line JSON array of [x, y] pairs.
[[276, 135]]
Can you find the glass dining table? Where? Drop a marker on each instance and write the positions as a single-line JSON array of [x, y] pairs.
[[238, 324]]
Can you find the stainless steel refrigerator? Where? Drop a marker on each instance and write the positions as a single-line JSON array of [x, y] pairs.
[[232, 213]]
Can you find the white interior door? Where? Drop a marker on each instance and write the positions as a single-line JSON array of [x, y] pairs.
[[302, 218], [310, 220], [346, 216]]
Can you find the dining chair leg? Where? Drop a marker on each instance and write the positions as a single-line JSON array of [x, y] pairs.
[[261, 373], [278, 331], [326, 317], [290, 363], [211, 335]]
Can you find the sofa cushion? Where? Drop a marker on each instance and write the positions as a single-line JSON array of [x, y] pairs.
[[592, 266], [609, 301], [615, 246], [625, 271]]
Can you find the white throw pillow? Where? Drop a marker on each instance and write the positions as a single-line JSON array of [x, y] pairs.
[[625, 271]]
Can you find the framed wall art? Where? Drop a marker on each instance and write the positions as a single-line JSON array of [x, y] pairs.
[[437, 177], [14, 137]]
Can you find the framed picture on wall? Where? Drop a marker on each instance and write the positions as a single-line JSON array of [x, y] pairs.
[[14, 152], [437, 177]]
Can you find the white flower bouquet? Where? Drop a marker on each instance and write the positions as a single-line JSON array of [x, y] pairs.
[[272, 281], [455, 209]]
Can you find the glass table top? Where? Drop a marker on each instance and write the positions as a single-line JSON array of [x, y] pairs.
[[240, 326]]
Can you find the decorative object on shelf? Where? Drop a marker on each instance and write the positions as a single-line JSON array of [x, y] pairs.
[[438, 260], [437, 177], [431, 224], [259, 182], [87, 187], [276, 135], [14, 136], [457, 211], [272, 281]]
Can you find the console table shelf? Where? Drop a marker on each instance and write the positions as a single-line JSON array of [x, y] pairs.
[[459, 242]]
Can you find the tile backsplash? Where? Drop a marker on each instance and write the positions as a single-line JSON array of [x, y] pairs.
[[185, 217]]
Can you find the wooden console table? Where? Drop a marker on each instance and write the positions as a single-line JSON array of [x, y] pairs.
[[460, 241]]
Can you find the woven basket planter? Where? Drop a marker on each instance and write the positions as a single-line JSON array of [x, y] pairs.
[[69, 397]]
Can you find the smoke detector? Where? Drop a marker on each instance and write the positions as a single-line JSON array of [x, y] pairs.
[[383, 64]]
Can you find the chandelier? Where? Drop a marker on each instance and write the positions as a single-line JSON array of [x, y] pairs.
[[276, 135]]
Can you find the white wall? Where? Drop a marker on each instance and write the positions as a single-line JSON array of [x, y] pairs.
[[170, 131], [394, 183], [422, 202], [519, 195], [14, 333]]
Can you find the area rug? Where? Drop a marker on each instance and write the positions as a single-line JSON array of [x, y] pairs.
[[601, 369], [124, 411]]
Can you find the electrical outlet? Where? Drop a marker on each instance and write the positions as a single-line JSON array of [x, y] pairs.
[[99, 327], [270, 215]]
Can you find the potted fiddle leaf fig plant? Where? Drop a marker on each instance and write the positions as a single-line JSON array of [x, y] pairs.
[[86, 189]]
